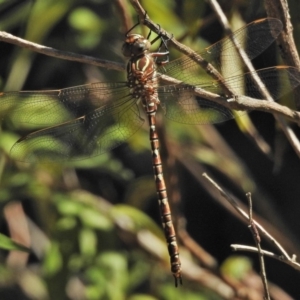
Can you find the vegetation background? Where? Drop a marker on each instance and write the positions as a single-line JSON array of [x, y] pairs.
[[93, 225]]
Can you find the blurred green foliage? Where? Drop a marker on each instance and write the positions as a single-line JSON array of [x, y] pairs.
[[7, 244]]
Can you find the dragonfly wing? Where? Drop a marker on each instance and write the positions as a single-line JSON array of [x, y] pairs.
[[87, 136], [254, 38], [180, 104], [278, 81], [48, 108]]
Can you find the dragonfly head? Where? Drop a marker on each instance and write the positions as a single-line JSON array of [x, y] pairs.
[[135, 45]]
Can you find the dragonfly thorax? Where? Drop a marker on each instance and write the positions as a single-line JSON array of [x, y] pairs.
[[135, 45]]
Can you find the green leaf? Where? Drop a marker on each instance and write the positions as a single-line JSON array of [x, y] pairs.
[[8, 244], [53, 261], [89, 26], [66, 223], [88, 242], [236, 266], [84, 19], [95, 219], [66, 206]]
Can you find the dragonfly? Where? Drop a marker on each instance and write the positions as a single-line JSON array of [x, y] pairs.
[[84, 121]]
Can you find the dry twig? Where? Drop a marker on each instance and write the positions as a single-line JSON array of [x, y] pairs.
[[284, 255], [257, 240]]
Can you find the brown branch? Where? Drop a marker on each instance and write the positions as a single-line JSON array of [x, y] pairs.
[[244, 103], [279, 9], [257, 240], [291, 262], [123, 11]]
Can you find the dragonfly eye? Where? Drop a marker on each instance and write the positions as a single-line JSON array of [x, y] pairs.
[[126, 50], [135, 45]]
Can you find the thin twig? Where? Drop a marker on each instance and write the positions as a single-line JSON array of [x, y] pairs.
[[257, 240], [245, 215], [284, 257], [279, 9], [122, 9], [9, 38], [291, 262]]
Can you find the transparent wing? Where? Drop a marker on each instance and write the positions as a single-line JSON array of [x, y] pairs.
[[254, 38], [87, 136], [181, 104], [51, 107]]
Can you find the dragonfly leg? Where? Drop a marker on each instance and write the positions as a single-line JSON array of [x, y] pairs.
[[137, 24]]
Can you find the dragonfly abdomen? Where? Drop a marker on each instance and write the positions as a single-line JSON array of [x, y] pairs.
[[143, 82]]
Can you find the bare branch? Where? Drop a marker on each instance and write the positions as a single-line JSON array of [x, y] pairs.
[[9, 38], [245, 216], [122, 9], [257, 240], [279, 9], [291, 262]]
